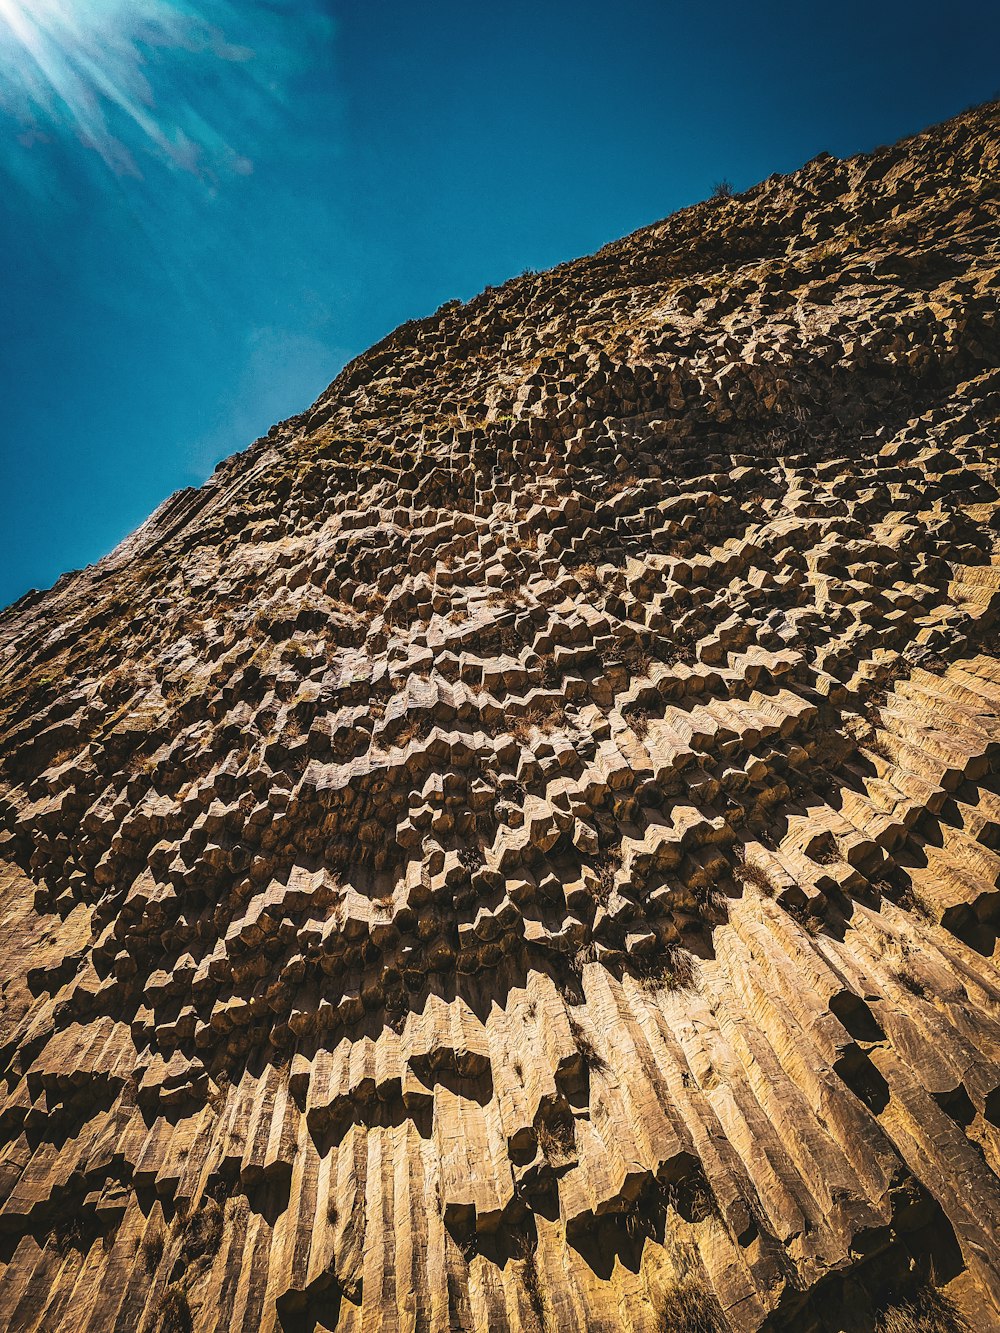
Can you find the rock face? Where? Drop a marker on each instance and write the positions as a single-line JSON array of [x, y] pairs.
[[520, 847]]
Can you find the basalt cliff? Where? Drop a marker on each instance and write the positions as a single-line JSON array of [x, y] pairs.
[[519, 848]]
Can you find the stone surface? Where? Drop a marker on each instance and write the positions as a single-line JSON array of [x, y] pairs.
[[520, 847]]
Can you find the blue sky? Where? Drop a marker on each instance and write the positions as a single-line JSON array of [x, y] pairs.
[[208, 206]]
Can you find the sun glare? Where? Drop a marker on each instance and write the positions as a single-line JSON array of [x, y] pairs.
[[23, 19], [14, 19], [118, 78]]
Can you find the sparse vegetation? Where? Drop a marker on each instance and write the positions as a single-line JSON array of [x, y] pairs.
[[752, 873], [638, 720], [826, 853], [508, 640], [671, 969], [904, 895], [202, 1231], [219, 1092], [877, 743], [396, 1007], [691, 1306], [471, 857], [409, 731], [927, 1311], [692, 1197], [152, 1251], [524, 1251], [175, 1311], [528, 543], [546, 717], [76, 1231], [556, 1136], [607, 869], [909, 980], [623, 483], [551, 676], [588, 578], [809, 921], [589, 1053], [634, 656]]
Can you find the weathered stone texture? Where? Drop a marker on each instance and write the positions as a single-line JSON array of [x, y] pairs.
[[520, 847]]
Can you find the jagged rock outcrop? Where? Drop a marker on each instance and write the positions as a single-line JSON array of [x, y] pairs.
[[520, 847]]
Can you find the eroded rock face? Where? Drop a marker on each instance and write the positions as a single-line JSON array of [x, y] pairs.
[[519, 847]]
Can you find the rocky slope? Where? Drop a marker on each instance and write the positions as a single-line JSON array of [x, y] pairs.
[[518, 849]]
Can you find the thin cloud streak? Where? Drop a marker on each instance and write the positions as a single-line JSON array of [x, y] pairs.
[[186, 85]]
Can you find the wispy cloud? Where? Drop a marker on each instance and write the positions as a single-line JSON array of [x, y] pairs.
[[143, 85]]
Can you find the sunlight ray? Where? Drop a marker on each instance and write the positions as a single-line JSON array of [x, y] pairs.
[[116, 77]]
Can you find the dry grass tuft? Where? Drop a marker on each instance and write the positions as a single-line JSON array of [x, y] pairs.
[[152, 1251], [202, 1231], [588, 1051], [588, 578], [690, 1306], [909, 980], [409, 731], [672, 969], [639, 722], [546, 718], [751, 874], [175, 1312], [927, 1311], [556, 1137]]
